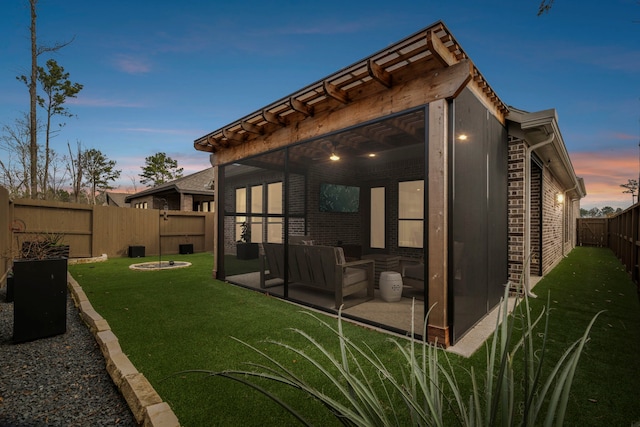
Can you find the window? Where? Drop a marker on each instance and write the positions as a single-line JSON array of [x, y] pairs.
[[241, 207], [262, 222], [257, 204], [378, 232], [274, 207], [411, 214]]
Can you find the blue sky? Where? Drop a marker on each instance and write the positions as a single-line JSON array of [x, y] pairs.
[[159, 74]]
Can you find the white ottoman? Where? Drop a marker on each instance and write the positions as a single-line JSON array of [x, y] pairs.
[[390, 286]]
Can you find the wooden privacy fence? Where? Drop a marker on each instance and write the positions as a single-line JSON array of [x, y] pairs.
[[593, 232], [95, 230], [620, 233], [624, 239]]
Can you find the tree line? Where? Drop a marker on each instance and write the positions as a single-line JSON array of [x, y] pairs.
[[32, 169], [599, 213]]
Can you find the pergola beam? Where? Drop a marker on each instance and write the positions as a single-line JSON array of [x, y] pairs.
[[335, 92], [272, 118], [438, 50], [378, 73], [251, 128], [231, 137], [300, 107]]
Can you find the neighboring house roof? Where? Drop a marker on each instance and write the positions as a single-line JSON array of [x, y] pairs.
[[434, 44], [197, 183], [117, 199]]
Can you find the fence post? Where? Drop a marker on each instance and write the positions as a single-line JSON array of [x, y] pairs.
[[5, 233]]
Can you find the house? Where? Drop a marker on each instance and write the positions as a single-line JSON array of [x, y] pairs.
[[191, 193], [544, 195], [116, 199], [407, 158]]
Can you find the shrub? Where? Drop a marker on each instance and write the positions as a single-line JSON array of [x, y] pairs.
[[360, 390]]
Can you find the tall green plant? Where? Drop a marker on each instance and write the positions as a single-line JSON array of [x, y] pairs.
[[360, 389]]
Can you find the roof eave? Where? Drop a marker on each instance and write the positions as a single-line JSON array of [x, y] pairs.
[[540, 125]]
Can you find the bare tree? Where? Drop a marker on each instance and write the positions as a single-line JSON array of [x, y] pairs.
[[134, 183], [15, 170], [55, 177], [31, 83], [76, 171]]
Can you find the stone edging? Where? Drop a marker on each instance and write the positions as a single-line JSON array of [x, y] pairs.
[[145, 403]]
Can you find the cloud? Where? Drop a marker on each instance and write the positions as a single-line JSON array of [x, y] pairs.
[[603, 173], [623, 136], [607, 165], [132, 64]]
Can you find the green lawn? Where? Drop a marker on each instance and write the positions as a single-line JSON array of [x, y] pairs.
[[175, 320]]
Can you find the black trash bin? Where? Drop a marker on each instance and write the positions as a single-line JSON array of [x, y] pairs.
[[136, 251], [186, 249]]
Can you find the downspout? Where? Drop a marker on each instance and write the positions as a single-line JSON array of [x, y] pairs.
[[565, 214], [527, 214]]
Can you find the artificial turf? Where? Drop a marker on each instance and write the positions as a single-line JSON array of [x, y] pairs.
[[176, 320]]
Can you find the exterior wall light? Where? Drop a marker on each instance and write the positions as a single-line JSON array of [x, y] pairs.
[[334, 157], [462, 137], [560, 198]]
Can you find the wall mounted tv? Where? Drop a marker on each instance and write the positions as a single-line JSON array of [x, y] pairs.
[[339, 198]]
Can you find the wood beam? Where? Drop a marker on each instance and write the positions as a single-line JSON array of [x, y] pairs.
[[465, 75], [438, 50], [272, 118], [231, 137], [335, 92], [251, 128], [424, 88], [437, 218], [300, 107], [210, 145], [218, 220], [378, 73], [203, 147]]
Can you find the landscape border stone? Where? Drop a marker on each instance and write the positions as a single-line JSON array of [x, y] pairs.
[[145, 403]]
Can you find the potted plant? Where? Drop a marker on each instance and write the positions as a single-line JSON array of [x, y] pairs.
[[40, 289], [244, 248], [45, 246]]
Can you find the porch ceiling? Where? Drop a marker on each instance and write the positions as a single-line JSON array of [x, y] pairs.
[[387, 140], [429, 49]]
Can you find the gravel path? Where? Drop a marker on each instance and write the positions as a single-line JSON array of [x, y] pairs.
[[57, 381]]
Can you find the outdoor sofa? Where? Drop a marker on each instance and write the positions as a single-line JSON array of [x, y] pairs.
[[320, 267]]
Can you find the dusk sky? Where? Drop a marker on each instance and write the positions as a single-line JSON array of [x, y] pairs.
[[159, 74]]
